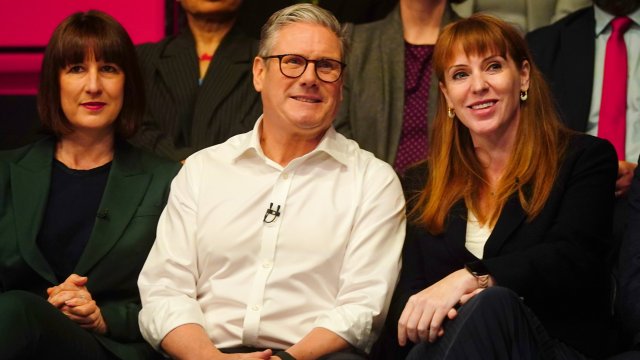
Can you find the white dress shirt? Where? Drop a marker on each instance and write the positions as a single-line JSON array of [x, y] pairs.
[[632, 40], [330, 259]]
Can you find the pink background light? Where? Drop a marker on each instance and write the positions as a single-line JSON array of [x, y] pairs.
[[30, 24]]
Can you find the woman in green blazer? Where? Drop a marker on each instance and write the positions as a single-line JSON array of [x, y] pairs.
[[78, 210]]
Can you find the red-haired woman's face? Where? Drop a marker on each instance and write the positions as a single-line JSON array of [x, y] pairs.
[[484, 92]]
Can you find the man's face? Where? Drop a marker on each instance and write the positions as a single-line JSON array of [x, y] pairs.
[[618, 7], [304, 106]]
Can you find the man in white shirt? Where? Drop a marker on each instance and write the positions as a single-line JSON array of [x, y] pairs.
[[284, 241]]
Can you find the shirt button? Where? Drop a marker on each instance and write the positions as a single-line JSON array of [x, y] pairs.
[[255, 307], [267, 265], [285, 176]]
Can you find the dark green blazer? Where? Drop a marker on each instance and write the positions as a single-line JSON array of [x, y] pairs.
[[136, 193]]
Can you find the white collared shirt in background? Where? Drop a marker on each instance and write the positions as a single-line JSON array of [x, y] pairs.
[[632, 40]]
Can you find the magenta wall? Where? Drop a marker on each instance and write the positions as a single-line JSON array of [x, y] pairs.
[[25, 28]]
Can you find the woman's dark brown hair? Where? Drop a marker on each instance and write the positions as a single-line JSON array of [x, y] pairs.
[[79, 36]]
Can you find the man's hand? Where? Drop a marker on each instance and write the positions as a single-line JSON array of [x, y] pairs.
[[625, 175], [75, 301], [424, 313], [190, 341]]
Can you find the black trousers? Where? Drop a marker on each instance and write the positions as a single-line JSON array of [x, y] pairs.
[[495, 325], [31, 328], [351, 354]]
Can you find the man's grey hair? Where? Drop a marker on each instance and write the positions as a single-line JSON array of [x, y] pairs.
[[300, 13]]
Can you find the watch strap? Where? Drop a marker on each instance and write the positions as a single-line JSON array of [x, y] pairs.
[[284, 355]]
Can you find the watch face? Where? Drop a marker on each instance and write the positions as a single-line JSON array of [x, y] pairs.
[[477, 268]]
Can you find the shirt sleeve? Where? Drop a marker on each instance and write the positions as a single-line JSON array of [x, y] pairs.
[[372, 261], [167, 281]]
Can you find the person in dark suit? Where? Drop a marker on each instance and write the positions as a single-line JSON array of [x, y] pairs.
[[629, 298], [199, 82], [390, 89], [506, 227], [79, 208], [571, 53], [572, 59]]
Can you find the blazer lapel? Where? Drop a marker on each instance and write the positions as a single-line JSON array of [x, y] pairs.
[[30, 180], [230, 64], [510, 219], [125, 189], [178, 66], [392, 54], [577, 59], [457, 226]]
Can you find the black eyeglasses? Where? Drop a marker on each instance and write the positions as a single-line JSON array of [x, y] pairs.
[[293, 66]]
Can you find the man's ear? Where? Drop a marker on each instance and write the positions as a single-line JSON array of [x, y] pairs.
[[259, 69]]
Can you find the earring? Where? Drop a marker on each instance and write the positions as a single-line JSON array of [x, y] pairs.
[[450, 113], [524, 95]]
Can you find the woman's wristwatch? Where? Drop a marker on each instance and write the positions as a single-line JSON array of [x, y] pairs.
[[284, 355], [480, 272]]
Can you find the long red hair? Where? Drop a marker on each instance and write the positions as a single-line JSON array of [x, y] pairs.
[[455, 172]]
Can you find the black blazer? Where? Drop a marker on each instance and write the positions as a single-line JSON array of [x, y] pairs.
[[629, 299], [565, 53], [183, 117], [135, 194], [554, 261]]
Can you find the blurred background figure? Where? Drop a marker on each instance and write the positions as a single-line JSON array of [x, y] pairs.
[[580, 87], [254, 13], [527, 15], [509, 215], [390, 90], [79, 208], [629, 301], [592, 61], [199, 83]]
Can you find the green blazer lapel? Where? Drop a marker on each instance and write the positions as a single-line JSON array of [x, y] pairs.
[[30, 180], [125, 190]]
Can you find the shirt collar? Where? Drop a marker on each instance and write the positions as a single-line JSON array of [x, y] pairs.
[[330, 144], [603, 19]]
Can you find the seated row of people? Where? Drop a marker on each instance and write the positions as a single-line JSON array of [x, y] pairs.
[[285, 242]]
